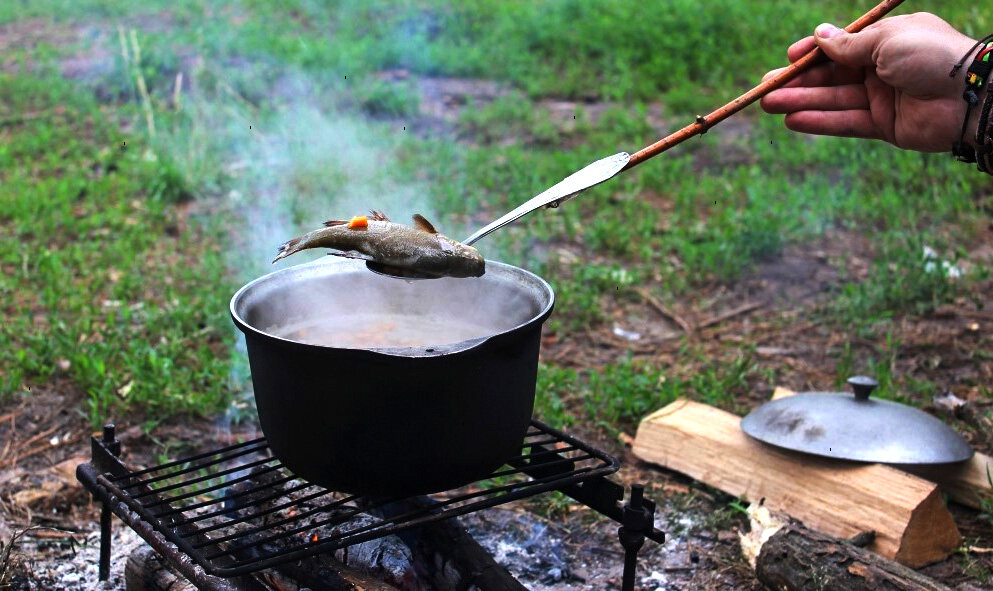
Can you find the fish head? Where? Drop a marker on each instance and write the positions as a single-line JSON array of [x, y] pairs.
[[460, 259]]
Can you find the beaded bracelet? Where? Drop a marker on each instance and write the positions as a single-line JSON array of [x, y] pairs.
[[974, 79]]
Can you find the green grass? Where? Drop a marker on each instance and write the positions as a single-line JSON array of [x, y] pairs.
[[616, 396], [330, 137], [908, 277], [100, 282]]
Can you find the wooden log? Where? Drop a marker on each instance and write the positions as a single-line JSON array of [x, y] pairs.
[[321, 576], [968, 483], [798, 559], [448, 556], [146, 571], [837, 497]]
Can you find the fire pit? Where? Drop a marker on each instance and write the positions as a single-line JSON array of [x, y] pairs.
[[212, 516]]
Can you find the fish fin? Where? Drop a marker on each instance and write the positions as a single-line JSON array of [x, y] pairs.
[[378, 216], [350, 254], [287, 248], [423, 224], [330, 223]]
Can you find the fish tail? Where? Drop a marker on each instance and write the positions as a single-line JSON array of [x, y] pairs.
[[287, 248]]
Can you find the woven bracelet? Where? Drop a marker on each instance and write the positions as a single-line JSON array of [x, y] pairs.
[[974, 79], [984, 145]]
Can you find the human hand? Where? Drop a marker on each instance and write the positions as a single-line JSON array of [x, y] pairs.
[[889, 82]]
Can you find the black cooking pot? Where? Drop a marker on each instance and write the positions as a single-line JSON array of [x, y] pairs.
[[373, 385]]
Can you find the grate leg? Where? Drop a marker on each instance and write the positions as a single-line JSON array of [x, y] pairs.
[[104, 541], [114, 447], [636, 523]]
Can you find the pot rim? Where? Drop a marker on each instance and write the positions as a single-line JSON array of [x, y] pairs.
[[406, 352]]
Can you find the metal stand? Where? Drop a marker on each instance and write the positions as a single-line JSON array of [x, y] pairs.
[[637, 523], [573, 468], [113, 446]]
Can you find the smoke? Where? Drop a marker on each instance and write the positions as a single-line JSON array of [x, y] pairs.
[[275, 152], [302, 159], [272, 149], [307, 159]]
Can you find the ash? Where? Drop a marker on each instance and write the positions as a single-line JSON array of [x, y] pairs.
[[581, 551], [45, 565]]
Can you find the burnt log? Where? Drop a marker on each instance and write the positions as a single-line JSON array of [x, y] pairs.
[[325, 577], [448, 556], [146, 571], [799, 559]]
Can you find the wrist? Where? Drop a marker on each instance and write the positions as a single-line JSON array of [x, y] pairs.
[[976, 77]]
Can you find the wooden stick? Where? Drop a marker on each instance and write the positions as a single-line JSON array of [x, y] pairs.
[[665, 312], [743, 309], [35, 438], [36, 450], [703, 123]]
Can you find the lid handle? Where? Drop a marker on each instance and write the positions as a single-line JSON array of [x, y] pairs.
[[863, 386]]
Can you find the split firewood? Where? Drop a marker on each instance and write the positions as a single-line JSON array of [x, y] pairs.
[[789, 557], [967, 483], [834, 496]]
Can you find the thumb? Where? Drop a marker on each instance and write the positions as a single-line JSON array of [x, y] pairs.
[[850, 49]]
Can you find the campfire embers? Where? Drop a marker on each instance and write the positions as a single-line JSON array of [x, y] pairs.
[[237, 510]]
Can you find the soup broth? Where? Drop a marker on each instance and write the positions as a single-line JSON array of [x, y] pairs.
[[368, 331]]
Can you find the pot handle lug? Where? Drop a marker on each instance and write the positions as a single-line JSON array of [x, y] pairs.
[[862, 386]]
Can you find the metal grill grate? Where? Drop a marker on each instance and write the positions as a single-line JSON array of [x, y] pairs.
[[236, 510]]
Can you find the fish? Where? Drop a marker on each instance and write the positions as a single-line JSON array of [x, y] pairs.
[[396, 247]]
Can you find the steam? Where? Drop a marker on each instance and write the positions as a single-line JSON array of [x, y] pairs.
[[277, 165], [307, 162], [274, 149]]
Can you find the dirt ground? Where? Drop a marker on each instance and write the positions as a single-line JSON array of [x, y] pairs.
[[45, 437]]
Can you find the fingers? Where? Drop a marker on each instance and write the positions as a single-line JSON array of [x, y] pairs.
[[822, 75], [854, 123], [800, 48], [825, 98], [850, 49]]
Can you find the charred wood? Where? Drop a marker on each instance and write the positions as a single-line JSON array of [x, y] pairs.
[[314, 575], [146, 571], [447, 556]]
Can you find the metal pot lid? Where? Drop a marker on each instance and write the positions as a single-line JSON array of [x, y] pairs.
[[839, 425]]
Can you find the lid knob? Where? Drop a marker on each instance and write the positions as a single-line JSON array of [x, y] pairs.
[[863, 386]]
